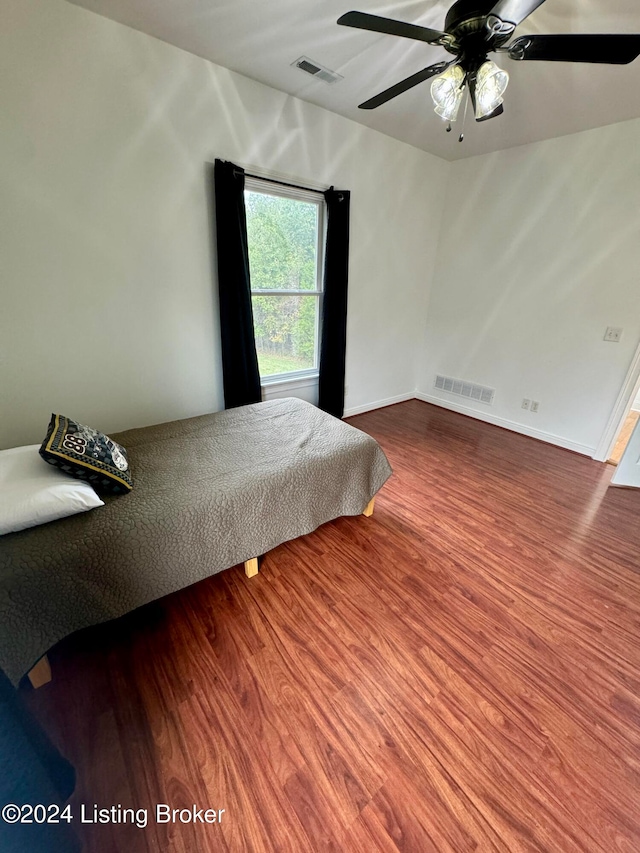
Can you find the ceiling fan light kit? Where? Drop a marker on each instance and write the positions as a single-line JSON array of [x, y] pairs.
[[472, 30], [446, 91], [491, 84]]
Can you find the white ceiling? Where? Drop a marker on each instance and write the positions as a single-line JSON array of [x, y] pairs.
[[261, 38]]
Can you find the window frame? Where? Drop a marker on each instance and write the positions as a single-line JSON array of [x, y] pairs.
[[267, 187]]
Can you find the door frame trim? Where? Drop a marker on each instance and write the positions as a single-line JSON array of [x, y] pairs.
[[620, 410]]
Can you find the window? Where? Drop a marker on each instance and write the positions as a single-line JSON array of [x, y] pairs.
[[285, 232]]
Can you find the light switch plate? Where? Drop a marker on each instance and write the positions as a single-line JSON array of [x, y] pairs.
[[613, 334]]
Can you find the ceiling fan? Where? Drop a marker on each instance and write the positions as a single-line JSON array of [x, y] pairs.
[[472, 30]]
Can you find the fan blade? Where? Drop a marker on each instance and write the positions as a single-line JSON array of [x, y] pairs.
[[497, 112], [613, 50], [514, 11], [363, 21], [404, 85]]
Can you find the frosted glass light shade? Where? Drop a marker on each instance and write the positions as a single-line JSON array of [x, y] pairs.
[[446, 91], [491, 83]]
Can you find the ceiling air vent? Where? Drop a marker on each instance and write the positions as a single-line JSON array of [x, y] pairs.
[[317, 71], [465, 389]]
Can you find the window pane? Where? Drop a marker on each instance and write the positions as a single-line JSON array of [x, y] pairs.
[[285, 330], [282, 234]]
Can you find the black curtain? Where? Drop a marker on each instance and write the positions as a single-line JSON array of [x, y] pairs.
[[241, 378], [33, 772], [333, 341]]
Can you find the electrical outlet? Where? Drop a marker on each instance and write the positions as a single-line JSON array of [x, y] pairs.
[[534, 405], [613, 334], [526, 403]]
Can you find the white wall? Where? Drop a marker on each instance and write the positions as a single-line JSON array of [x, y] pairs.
[[108, 306], [108, 309], [539, 253]]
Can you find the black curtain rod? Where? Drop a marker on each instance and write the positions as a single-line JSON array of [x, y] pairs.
[[282, 183]]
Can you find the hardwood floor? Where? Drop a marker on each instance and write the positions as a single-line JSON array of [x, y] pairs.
[[459, 672]]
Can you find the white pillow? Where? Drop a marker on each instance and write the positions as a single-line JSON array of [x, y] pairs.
[[32, 492]]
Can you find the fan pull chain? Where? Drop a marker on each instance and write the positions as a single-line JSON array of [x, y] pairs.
[[464, 117]]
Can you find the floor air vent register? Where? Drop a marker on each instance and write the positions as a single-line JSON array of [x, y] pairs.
[[465, 389]]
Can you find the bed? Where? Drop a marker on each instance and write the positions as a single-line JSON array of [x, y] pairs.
[[210, 492]]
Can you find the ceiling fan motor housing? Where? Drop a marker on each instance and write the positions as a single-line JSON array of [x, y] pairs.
[[467, 16], [466, 21]]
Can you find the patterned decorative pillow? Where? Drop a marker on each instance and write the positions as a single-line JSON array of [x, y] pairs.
[[87, 454]]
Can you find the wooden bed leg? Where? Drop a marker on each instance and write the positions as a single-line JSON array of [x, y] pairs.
[[368, 510], [41, 673], [251, 567]]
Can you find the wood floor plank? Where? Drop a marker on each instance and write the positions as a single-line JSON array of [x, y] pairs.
[[460, 672], [367, 834], [417, 814]]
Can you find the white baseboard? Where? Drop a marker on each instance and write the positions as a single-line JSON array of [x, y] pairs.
[[379, 404], [488, 417], [514, 426]]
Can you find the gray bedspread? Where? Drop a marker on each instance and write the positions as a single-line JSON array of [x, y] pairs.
[[209, 492]]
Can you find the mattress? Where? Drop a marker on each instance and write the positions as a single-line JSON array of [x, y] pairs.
[[209, 492]]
